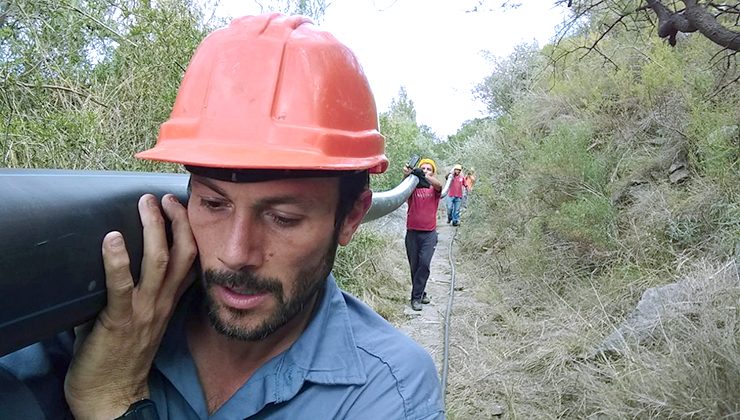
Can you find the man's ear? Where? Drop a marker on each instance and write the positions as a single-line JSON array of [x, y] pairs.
[[353, 218]]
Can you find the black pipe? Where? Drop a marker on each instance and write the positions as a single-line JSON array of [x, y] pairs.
[[52, 224]]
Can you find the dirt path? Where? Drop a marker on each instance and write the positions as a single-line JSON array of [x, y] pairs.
[[471, 390], [426, 327]]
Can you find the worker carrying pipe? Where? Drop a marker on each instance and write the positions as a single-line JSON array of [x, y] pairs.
[[237, 315]]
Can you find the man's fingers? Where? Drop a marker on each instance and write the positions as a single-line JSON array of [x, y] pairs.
[[156, 252], [164, 268], [183, 250], [118, 279]]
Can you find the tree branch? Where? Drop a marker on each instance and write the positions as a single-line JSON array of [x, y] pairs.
[[725, 86], [708, 26], [606, 32]]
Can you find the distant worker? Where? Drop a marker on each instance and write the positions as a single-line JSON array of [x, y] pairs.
[[421, 228], [469, 182], [276, 123], [455, 195]]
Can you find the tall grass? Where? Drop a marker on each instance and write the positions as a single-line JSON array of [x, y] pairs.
[[362, 268]]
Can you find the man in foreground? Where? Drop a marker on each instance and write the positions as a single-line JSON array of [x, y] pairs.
[[240, 316]]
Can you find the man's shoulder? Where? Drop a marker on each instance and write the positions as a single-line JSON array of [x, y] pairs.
[[375, 334], [395, 365]]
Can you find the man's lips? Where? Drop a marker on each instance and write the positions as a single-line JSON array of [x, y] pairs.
[[240, 299]]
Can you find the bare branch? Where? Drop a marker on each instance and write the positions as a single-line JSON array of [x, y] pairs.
[[94, 19], [606, 58], [694, 17], [604, 33], [718, 91], [725, 8], [708, 25]]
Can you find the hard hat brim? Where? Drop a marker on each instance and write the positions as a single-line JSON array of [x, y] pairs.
[[234, 156]]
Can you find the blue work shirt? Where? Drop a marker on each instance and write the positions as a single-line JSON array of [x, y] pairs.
[[348, 363]]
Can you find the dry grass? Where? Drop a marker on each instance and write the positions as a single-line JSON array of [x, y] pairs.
[[527, 349]]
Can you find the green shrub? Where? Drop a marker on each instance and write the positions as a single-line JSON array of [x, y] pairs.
[[589, 219], [562, 165], [358, 271], [354, 259], [717, 139], [663, 73]]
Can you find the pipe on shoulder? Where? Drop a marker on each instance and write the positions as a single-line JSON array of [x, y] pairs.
[[52, 223]]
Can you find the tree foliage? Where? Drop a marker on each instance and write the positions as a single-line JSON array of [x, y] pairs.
[[314, 9], [86, 84], [403, 138], [512, 77]]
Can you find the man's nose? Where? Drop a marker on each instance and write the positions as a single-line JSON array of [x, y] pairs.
[[242, 244]]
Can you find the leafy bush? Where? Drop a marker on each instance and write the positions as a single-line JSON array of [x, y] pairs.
[[588, 220], [87, 85], [358, 271], [562, 161]]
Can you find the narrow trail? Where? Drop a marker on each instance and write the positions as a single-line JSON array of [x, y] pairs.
[[472, 380], [426, 327]]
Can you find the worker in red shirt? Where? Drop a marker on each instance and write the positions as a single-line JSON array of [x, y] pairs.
[[469, 182], [455, 195], [421, 228]]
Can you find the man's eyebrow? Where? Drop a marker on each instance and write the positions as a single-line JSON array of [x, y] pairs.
[[210, 184]]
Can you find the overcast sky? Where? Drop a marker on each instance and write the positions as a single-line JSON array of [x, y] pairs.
[[431, 47]]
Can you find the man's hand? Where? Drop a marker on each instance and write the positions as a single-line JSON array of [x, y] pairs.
[[423, 181], [407, 170], [111, 365]]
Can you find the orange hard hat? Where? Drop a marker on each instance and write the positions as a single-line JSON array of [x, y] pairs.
[[273, 92]]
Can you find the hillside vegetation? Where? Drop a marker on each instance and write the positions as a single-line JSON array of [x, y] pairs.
[[599, 179]]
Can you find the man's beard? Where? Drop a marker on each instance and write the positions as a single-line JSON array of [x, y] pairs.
[[307, 284]]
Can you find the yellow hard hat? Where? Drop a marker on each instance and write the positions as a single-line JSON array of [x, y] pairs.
[[429, 161]]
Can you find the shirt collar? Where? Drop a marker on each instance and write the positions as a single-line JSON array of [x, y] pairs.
[[326, 351]]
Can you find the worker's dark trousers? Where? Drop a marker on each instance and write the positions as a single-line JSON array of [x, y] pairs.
[[420, 249]]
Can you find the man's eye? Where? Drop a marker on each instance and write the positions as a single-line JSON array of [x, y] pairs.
[[211, 204], [284, 221]]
